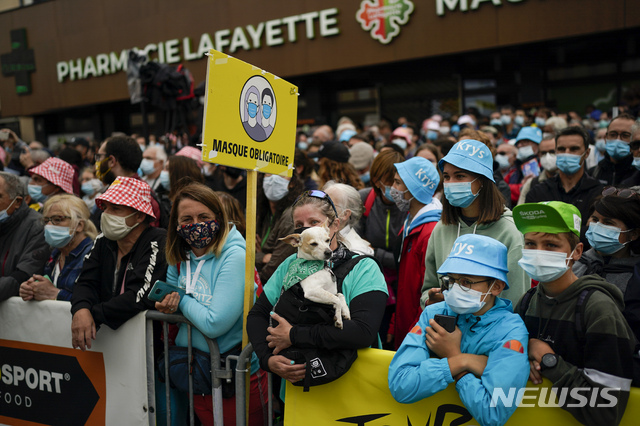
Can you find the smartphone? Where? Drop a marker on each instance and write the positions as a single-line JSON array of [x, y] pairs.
[[161, 289], [531, 167], [447, 322]]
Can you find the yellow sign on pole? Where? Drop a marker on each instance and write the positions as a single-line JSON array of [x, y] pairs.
[[250, 117]]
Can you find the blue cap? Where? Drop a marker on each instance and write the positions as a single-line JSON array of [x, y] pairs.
[[533, 134], [347, 134], [470, 155], [478, 255], [420, 177]]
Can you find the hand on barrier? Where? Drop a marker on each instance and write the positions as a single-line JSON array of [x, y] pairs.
[[83, 330], [537, 349], [169, 304], [26, 290], [283, 367], [279, 336], [43, 288]]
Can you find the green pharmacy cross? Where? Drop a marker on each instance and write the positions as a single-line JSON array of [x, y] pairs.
[[20, 63]]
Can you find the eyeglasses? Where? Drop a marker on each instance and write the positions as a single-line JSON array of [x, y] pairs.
[[465, 283], [623, 136], [56, 220], [622, 193], [99, 157], [316, 193]]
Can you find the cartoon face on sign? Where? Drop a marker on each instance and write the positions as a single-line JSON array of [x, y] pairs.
[[258, 108]]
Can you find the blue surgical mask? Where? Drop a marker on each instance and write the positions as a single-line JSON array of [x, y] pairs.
[[519, 120], [636, 163], [3, 214], [495, 122], [387, 193], [505, 119], [432, 135], [465, 301], [88, 189], [605, 238], [303, 145], [601, 145], [35, 192], [147, 166], [459, 194], [503, 161], [525, 152], [365, 178], [618, 149], [57, 236], [540, 121], [544, 266], [401, 143], [266, 111], [252, 109], [164, 179], [568, 163]]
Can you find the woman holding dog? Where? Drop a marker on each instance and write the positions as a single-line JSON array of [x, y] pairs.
[[205, 252], [363, 287]]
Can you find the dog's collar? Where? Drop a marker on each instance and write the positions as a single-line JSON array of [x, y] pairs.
[[299, 269]]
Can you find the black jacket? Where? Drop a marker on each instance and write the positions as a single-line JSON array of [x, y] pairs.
[[612, 174], [633, 180], [581, 195], [113, 297]]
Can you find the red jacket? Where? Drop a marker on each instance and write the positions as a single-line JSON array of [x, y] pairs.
[[410, 278]]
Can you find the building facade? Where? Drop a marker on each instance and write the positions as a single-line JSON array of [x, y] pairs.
[[64, 61]]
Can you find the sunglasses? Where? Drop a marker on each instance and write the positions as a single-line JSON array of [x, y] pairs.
[[622, 193], [316, 193]]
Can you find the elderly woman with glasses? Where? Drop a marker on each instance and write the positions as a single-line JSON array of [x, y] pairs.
[[69, 231], [363, 287], [472, 338]]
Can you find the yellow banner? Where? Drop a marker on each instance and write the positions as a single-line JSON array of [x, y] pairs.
[[362, 397], [250, 117]]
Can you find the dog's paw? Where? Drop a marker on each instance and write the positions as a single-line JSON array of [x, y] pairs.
[[338, 322]]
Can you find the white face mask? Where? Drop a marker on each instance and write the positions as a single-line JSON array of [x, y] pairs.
[[465, 301], [548, 162], [115, 227], [525, 152], [544, 266], [275, 187]]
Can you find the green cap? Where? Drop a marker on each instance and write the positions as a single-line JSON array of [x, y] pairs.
[[552, 217]]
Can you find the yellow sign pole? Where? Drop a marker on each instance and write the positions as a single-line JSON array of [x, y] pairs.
[[249, 268]]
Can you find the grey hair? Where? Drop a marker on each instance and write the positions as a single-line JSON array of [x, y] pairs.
[[635, 127], [345, 197], [13, 185], [39, 156], [161, 154]]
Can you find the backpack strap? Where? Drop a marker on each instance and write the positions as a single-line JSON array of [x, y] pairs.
[[583, 297], [343, 269], [526, 300], [368, 203]]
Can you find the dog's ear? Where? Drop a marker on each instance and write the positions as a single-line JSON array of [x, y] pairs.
[[293, 239]]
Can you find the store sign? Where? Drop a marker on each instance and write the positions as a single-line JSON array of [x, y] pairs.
[[20, 63], [383, 18], [259, 133], [270, 33], [466, 5]]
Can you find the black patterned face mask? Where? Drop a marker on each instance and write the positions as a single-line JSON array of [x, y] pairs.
[[199, 235]]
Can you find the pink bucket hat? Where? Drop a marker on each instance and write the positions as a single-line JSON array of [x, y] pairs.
[[130, 192], [56, 171], [193, 153]]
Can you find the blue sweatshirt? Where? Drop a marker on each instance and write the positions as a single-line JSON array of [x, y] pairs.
[[414, 374]]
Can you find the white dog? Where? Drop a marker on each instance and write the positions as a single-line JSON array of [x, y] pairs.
[[320, 287]]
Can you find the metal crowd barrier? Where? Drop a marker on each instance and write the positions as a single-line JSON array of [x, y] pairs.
[[217, 374]]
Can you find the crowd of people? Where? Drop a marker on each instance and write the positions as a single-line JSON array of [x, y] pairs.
[[521, 228]]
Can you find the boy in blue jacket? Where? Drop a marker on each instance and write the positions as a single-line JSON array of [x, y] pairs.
[[486, 351]]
